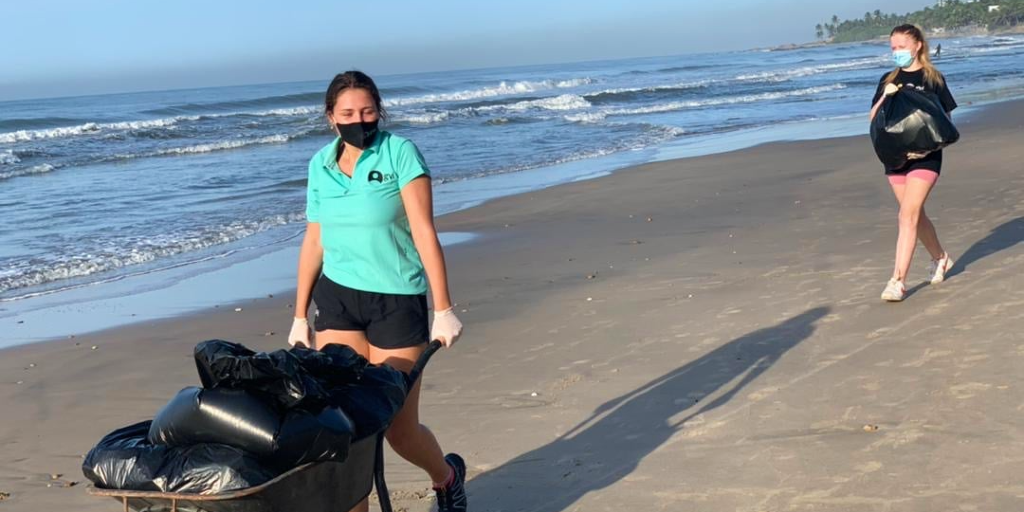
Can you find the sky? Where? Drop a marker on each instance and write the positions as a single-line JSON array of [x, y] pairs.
[[77, 47]]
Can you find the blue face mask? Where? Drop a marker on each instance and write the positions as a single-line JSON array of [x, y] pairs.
[[902, 58]]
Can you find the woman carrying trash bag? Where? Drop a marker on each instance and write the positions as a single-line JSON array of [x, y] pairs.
[[369, 252], [913, 181]]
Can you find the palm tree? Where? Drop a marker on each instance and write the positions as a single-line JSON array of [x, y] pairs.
[[819, 31], [878, 15]]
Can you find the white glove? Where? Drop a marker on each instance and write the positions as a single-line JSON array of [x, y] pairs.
[[447, 328], [299, 333], [890, 89]]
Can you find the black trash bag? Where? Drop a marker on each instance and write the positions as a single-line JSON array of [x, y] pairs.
[[308, 437], [225, 416], [211, 469], [277, 376], [124, 459], [910, 121], [372, 401], [337, 364]]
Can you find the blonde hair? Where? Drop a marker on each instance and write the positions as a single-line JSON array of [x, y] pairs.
[[924, 56]]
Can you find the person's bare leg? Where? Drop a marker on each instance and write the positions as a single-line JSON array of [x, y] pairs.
[[929, 237], [911, 205], [410, 439]]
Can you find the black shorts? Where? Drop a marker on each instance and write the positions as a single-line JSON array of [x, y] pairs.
[[931, 162], [390, 321]]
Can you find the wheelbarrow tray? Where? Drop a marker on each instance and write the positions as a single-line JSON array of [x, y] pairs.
[[327, 486], [315, 487]]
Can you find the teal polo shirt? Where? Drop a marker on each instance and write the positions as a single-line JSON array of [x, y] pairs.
[[363, 226]]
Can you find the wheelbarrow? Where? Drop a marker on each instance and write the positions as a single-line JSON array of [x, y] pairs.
[[328, 486]]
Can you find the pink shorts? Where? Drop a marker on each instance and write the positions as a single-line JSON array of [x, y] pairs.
[[921, 174]]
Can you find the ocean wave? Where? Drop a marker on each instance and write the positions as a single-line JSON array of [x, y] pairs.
[[90, 129], [287, 112], [591, 117], [422, 118], [131, 251], [282, 100], [37, 169], [502, 89], [147, 128], [506, 120], [653, 134], [552, 103], [209, 147], [632, 92], [561, 102], [788, 74], [586, 117], [37, 122], [7, 157]]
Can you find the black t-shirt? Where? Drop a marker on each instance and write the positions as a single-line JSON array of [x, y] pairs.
[[915, 79]]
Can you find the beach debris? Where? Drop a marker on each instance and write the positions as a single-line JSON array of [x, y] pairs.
[[689, 296], [635, 242], [650, 219], [4, 496], [631, 216], [21, 321], [270, 295], [55, 476], [71, 336], [20, 382], [465, 310], [870, 428], [94, 347], [238, 310], [268, 333], [78, 343], [796, 202], [533, 394], [592, 276], [589, 299]]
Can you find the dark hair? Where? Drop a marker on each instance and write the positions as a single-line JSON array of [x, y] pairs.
[[353, 80]]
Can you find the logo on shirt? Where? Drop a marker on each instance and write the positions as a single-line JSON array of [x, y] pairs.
[[380, 177], [912, 85]]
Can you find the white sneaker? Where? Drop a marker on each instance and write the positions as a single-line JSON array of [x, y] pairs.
[[939, 268], [894, 291]]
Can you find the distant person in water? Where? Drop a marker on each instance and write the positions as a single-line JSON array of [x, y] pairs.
[[938, 50], [914, 181]]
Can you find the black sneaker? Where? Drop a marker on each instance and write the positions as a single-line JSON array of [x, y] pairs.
[[453, 497]]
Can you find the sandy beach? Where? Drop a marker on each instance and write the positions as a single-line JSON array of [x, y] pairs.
[[701, 334]]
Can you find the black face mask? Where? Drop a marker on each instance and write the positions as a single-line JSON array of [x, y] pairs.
[[358, 135]]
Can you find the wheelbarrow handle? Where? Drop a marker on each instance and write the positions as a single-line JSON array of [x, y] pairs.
[[421, 363]]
